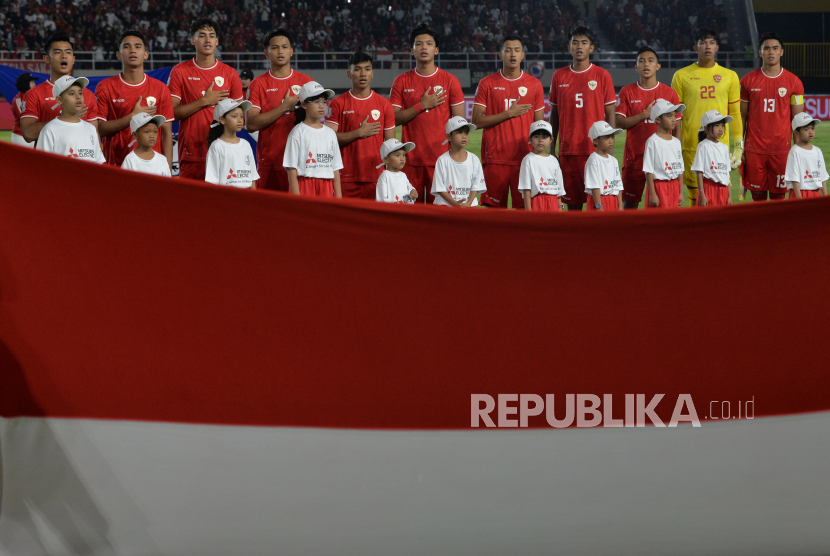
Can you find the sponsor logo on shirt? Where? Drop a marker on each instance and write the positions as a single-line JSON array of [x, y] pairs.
[[547, 182], [82, 153], [717, 166], [755, 90], [564, 84], [498, 88], [118, 100], [195, 78], [239, 174], [809, 176], [672, 166], [272, 90], [348, 111], [409, 90]]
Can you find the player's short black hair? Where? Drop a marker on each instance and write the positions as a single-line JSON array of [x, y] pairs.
[[647, 49], [705, 33], [769, 36], [582, 31], [203, 23], [57, 36], [131, 33], [423, 29], [511, 38], [360, 57], [266, 40]]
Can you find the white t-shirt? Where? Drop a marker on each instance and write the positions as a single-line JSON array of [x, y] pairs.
[[73, 139], [541, 175], [156, 165], [459, 179], [313, 152], [663, 158], [806, 167], [231, 164], [602, 173], [712, 158], [394, 187]]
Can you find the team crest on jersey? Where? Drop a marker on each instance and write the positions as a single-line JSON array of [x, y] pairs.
[[151, 101], [219, 80], [437, 89], [782, 92], [717, 78], [522, 91], [295, 89], [375, 114], [592, 85]]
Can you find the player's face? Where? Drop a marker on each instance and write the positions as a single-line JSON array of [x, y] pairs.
[[647, 65], [233, 119], [396, 160], [718, 130], [706, 49], [205, 40], [72, 100], [279, 51], [245, 83], [807, 133], [61, 58], [512, 53], [361, 75], [771, 52], [540, 142], [424, 48], [146, 136], [460, 137], [605, 143], [580, 48], [316, 108], [132, 52]]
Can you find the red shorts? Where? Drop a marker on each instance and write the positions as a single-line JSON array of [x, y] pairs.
[[717, 194], [764, 172], [315, 187], [421, 179], [502, 179], [272, 178], [544, 203], [805, 194], [668, 191], [192, 169], [359, 189], [634, 182], [609, 202], [573, 172]]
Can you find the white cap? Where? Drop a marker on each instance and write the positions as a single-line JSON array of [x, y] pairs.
[[541, 124], [713, 117], [662, 106], [803, 119], [601, 129], [63, 83], [313, 89], [227, 105], [457, 122], [391, 145], [140, 120]]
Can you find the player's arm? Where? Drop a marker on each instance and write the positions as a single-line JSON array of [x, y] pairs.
[[428, 101], [554, 124], [824, 188], [627, 122], [111, 127], [610, 115], [365, 129], [458, 111], [796, 105], [30, 128], [167, 143], [257, 120], [210, 98], [482, 122], [744, 111]]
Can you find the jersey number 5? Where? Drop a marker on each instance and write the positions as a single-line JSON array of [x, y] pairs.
[[769, 105], [579, 100], [707, 92]]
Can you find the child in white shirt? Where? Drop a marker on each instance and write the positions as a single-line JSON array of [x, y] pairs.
[[603, 182], [68, 134], [806, 173], [458, 174], [230, 160], [712, 163], [145, 130], [540, 177], [393, 185], [663, 158]]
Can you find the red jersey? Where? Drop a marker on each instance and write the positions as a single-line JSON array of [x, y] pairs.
[[266, 92], [188, 83], [18, 107], [768, 116], [116, 99], [427, 129], [42, 106], [508, 142], [633, 100], [361, 155], [580, 98]]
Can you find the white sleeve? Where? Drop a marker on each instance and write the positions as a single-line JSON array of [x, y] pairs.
[[254, 173], [439, 180], [560, 179], [697, 165], [593, 175], [99, 154], [126, 164], [337, 164], [46, 140], [820, 158], [478, 176], [648, 155], [525, 178], [381, 193], [679, 146], [213, 164], [793, 171], [291, 159]]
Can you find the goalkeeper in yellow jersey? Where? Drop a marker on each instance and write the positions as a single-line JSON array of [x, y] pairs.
[[703, 86]]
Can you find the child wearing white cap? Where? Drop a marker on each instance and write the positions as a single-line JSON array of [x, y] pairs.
[[712, 163], [68, 134], [230, 160], [312, 153], [145, 129], [603, 183], [663, 158], [458, 173], [806, 174], [540, 177], [393, 185]]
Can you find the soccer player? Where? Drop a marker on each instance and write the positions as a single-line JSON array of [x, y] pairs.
[[505, 105], [128, 94], [634, 115], [580, 95], [770, 98], [41, 106], [703, 86], [363, 120], [196, 87], [424, 99], [273, 96], [24, 82]]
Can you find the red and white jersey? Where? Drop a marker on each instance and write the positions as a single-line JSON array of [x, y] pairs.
[[116, 99], [188, 83], [603, 173], [426, 129], [712, 159], [42, 106], [18, 106], [508, 142], [266, 92], [541, 175], [313, 152], [663, 159], [580, 98], [807, 167], [768, 113], [361, 155], [633, 100]]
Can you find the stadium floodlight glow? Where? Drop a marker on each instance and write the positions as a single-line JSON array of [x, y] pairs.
[[283, 14]]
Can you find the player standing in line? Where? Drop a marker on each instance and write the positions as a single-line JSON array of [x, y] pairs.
[[69, 135], [540, 177], [663, 158], [363, 120], [196, 87], [602, 171], [711, 165], [24, 82], [144, 158], [703, 86], [806, 172], [41, 105], [580, 95], [273, 96], [634, 115], [458, 173], [425, 98], [128, 94], [770, 98], [505, 105]]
